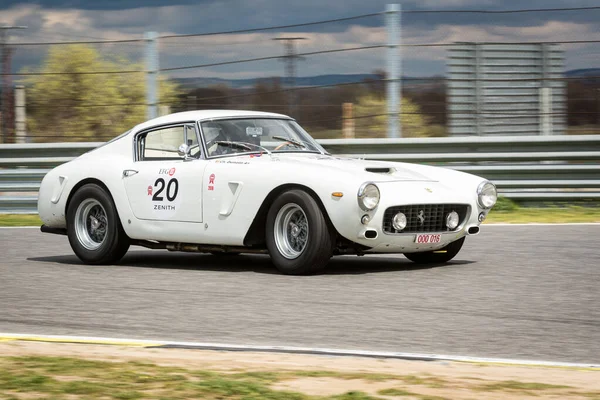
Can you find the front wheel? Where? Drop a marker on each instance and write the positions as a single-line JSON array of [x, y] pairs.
[[93, 227], [438, 256], [298, 238]]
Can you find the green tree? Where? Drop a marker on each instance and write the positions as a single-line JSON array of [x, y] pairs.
[[68, 103], [414, 123]]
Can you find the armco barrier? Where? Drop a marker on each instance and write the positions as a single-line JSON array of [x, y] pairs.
[[524, 168]]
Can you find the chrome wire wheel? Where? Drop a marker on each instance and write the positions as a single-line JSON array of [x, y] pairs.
[[291, 231], [91, 224]]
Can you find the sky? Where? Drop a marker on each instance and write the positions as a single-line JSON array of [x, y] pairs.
[[77, 20]]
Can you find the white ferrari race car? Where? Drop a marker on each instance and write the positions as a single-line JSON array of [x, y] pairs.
[[220, 181]]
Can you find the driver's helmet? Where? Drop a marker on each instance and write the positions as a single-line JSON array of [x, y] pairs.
[[212, 132]]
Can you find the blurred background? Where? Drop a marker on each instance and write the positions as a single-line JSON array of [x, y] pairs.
[[461, 68]]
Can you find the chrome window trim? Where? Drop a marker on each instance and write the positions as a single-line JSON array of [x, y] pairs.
[[137, 157]]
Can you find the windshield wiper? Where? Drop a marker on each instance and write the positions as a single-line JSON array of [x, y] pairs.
[[241, 145], [233, 144], [290, 140]]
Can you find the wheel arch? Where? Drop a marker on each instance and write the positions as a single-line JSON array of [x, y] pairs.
[[256, 232], [84, 182]]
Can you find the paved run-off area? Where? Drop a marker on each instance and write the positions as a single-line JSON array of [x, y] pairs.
[[524, 292]]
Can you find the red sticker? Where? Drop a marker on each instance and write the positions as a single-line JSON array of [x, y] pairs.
[[149, 190], [172, 172], [211, 179], [211, 188]]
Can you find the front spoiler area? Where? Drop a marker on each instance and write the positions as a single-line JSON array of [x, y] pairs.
[[405, 242]]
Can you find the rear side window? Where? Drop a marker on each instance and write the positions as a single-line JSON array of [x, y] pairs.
[[163, 144]]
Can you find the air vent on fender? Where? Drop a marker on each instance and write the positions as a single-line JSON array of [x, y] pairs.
[[380, 170]]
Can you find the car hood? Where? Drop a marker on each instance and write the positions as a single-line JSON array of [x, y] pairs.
[[376, 171]]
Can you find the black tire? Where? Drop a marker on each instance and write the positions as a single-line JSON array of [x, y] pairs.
[[115, 242], [439, 256], [318, 247]]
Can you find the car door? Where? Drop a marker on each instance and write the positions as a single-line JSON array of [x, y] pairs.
[[161, 184]]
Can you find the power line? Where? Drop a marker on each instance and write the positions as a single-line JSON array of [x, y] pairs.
[[527, 10], [375, 81], [293, 89], [443, 44], [290, 59], [80, 42], [270, 28], [75, 73], [269, 58], [276, 27]]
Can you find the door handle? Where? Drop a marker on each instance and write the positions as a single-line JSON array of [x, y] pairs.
[[129, 172]]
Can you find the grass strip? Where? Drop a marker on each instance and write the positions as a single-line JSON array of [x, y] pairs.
[[60, 378]]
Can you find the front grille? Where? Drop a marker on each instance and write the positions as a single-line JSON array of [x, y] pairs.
[[424, 218]]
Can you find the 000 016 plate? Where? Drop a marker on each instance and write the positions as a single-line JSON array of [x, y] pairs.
[[428, 238]]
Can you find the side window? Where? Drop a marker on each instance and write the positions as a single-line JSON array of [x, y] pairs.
[[163, 144]]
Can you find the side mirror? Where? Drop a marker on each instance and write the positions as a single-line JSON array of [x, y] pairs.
[[184, 151]]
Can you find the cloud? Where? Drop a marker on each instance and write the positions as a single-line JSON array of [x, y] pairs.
[[73, 23]]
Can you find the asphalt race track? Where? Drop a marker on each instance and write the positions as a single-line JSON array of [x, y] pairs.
[[525, 292]]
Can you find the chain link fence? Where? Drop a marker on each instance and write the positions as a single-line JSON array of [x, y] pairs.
[[329, 75]]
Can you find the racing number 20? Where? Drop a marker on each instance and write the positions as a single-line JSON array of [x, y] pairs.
[[171, 194]]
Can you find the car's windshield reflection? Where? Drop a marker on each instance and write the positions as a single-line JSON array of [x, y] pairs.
[[247, 135]]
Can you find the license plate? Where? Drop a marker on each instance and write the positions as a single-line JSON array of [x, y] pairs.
[[426, 239]]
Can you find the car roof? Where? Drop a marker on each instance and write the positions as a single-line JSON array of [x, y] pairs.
[[204, 114]]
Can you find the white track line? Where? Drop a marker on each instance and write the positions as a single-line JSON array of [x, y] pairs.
[[543, 224], [288, 349]]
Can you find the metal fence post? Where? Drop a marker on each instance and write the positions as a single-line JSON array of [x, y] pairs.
[[545, 93], [20, 121], [479, 99], [392, 22], [151, 74]]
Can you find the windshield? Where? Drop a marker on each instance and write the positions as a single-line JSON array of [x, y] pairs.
[[251, 135]]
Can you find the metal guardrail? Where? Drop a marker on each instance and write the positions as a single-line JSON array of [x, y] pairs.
[[524, 168]]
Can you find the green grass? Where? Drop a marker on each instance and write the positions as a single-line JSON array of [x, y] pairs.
[[67, 378], [395, 392], [344, 375], [20, 220], [62, 378], [554, 215], [519, 386]]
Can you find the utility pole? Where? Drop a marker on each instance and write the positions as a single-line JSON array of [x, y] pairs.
[[290, 59], [6, 110], [151, 75], [394, 68]]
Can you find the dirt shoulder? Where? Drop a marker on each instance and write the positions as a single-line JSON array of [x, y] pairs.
[[308, 375]]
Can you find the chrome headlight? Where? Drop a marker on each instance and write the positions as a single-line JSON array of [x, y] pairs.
[[487, 194], [368, 196]]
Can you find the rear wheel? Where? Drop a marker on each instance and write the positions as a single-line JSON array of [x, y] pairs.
[[93, 227], [438, 256], [298, 237]]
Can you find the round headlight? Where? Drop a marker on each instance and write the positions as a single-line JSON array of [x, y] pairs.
[[452, 220], [487, 194], [399, 221], [368, 196]]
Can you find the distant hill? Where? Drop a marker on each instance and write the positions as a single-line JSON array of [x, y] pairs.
[[582, 73], [332, 79], [319, 80], [335, 79]]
